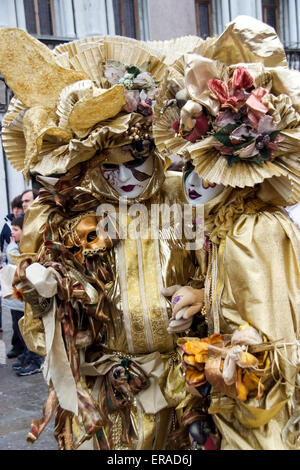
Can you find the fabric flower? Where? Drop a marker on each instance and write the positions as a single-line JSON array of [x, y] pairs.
[[145, 107], [127, 80], [200, 129], [225, 117], [114, 71], [232, 94], [132, 100], [143, 80], [256, 109]]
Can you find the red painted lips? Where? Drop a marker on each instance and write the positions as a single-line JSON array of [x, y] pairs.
[[193, 194], [128, 188]]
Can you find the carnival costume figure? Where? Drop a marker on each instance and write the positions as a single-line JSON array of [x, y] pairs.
[[81, 122], [231, 110]]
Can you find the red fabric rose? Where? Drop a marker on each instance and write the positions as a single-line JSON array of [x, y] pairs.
[[201, 127], [242, 79]]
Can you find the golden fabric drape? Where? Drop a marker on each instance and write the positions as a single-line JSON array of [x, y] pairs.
[[259, 267]]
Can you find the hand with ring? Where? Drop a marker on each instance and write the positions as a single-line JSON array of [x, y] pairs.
[[186, 302]]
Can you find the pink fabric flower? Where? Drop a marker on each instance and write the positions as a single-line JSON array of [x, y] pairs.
[[223, 149], [145, 107], [220, 89], [240, 134], [266, 125], [176, 126], [225, 117], [242, 80], [273, 146], [232, 94], [132, 100], [259, 92], [256, 110], [247, 152]]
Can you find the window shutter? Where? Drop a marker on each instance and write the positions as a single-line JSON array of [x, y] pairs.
[[271, 13], [30, 16], [126, 18], [45, 17], [39, 17], [204, 18]]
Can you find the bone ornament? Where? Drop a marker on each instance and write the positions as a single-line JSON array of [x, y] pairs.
[[188, 114]]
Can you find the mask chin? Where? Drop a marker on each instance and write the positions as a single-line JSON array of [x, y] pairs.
[[198, 191]]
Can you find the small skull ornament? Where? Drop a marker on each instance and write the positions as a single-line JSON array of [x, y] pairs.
[[88, 235]]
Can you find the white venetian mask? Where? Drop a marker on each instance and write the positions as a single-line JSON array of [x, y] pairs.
[[198, 191], [129, 179]]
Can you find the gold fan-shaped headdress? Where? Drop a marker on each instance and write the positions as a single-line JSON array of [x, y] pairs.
[[75, 101], [232, 108], [173, 49]]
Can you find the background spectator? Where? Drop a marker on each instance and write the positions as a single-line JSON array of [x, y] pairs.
[[15, 306], [28, 197], [28, 362], [16, 207]]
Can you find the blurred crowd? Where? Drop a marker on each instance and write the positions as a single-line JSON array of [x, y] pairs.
[[27, 362]]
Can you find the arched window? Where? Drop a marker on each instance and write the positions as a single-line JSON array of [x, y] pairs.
[[271, 13], [39, 16], [204, 18]]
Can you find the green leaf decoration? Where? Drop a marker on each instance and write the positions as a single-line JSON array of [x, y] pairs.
[[273, 135], [249, 141], [223, 134], [256, 160], [265, 154], [125, 363], [224, 139], [135, 71], [231, 159]]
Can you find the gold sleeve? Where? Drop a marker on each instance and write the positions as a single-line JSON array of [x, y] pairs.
[[261, 286], [34, 224], [262, 274], [32, 237]]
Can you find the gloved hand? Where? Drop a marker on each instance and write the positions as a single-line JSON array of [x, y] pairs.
[[186, 302]]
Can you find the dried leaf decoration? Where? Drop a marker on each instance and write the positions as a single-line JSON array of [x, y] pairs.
[[204, 360]]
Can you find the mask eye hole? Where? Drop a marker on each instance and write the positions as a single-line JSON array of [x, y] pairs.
[[74, 249], [91, 236], [134, 163], [109, 166]]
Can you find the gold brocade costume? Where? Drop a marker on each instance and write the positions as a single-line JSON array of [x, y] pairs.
[[252, 258], [138, 314], [114, 372], [255, 279]]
